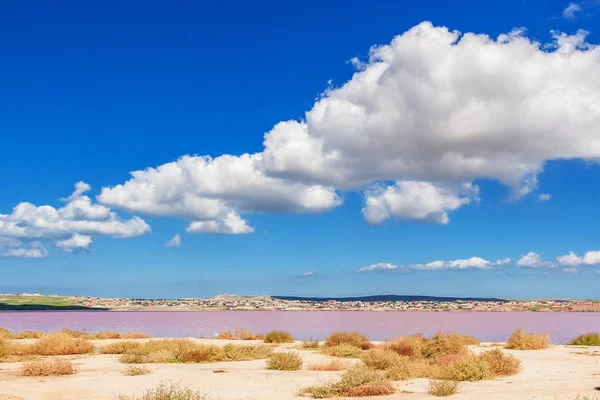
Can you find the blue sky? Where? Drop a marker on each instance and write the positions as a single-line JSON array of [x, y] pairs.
[[466, 151]]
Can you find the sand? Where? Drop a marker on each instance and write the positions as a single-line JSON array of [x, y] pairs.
[[561, 372]]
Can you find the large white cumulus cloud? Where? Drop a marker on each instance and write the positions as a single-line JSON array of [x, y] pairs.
[[423, 116]]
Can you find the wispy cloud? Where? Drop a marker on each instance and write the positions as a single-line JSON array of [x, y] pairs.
[[174, 242], [571, 9], [460, 264], [544, 197]]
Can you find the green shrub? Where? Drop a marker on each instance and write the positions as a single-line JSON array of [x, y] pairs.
[[356, 382], [468, 369], [284, 362], [380, 359], [278, 337], [342, 350], [587, 339]]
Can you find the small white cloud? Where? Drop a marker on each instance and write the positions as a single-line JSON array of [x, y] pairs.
[[570, 11], [473, 262], [75, 243], [372, 267], [174, 242], [573, 260], [309, 273], [232, 224], [570, 270], [533, 260], [544, 197]]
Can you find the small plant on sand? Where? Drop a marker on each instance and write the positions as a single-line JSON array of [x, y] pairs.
[[50, 367], [410, 346], [169, 391], [239, 334], [356, 382], [342, 350], [29, 335], [284, 362], [278, 337], [56, 344], [443, 344], [500, 363], [521, 340], [186, 351], [120, 347], [134, 370], [587, 339], [467, 369], [309, 344], [380, 359], [333, 365], [355, 339], [442, 388]]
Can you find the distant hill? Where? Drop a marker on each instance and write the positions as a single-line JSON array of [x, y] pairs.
[[234, 297], [388, 297]]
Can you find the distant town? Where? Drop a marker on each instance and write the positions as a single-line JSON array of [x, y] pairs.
[[34, 301]]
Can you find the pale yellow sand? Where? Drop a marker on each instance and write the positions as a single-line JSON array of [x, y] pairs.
[[556, 373]]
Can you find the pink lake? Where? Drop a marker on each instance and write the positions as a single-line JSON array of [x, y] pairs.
[[486, 326]]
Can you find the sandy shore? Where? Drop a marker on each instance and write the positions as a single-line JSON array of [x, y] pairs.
[[560, 372]]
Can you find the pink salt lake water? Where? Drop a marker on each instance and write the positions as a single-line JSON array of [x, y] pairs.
[[486, 326]]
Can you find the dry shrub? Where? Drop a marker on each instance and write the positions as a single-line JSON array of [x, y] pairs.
[[380, 359], [587, 339], [169, 391], [449, 359], [102, 335], [443, 344], [5, 333], [355, 339], [521, 340], [134, 335], [342, 350], [442, 388], [56, 344], [238, 334], [410, 346], [55, 366], [357, 381], [29, 335], [120, 347], [73, 333], [333, 365], [278, 337], [284, 362], [500, 363], [5, 348], [467, 369], [309, 344], [135, 370], [186, 351], [378, 388]]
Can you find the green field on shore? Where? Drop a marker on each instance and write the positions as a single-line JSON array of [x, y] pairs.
[[24, 302]]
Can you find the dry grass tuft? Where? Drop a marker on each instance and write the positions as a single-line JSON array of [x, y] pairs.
[[135, 370], [55, 366], [284, 362], [120, 347], [5, 333], [239, 334], [334, 365], [278, 337], [500, 363], [409, 346], [380, 359], [355, 339], [54, 344], [342, 350], [357, 381], [134, 335], [443, 344], [309, 344], [169, 391], [469, 369], [186, 351], [442, 388], [29, 335], [521, 340], [587, 339], [5, 348]]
